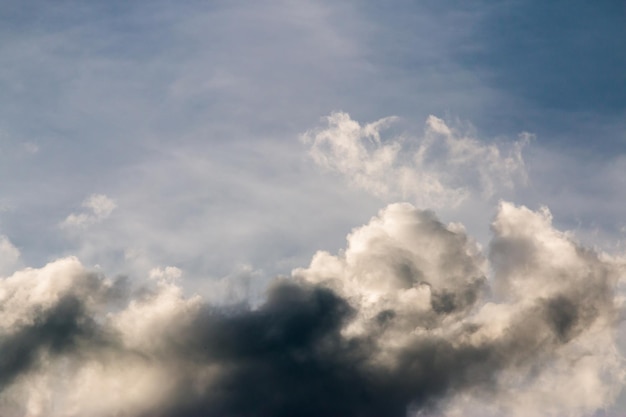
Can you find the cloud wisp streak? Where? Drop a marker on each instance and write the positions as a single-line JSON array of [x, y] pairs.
[[411, 317]]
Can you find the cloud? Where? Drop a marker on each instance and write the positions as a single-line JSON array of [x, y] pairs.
[[443, 168], [9, 255], [411, 318], [109, 106], [31, 147], [98, 206]]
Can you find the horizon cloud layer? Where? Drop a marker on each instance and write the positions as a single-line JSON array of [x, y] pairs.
[[412, 317]]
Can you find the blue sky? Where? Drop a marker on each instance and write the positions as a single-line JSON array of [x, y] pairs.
[[175, 133], [111, 95]]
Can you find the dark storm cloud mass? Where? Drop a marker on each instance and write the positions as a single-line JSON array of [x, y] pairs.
[[289, 359], [55, 330], [370, 332]]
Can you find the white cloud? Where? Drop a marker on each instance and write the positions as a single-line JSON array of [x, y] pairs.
[[405, 261], [552, 315], [98, 206], [440, 169], [167, 274]]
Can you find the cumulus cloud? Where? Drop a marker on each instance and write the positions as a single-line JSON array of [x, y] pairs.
[[442, 168], [411, 318], [98, 207]]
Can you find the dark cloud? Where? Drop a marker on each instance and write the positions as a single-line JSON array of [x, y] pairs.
[[288, 358], [54, 330]]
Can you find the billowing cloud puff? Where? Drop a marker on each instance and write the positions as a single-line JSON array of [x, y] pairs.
[[440, 169], [542, 323], [407, 266], [410, 319]]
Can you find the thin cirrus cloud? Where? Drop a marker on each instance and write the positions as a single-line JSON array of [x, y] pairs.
[[404, 321]]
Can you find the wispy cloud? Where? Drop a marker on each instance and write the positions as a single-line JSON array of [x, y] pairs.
[[98, 207], [9, 256], [441, 168]]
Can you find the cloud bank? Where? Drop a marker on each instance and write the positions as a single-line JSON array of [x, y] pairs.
[[412, 318], [440, 169]]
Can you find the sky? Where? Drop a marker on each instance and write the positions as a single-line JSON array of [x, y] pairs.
[[277, 208]]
